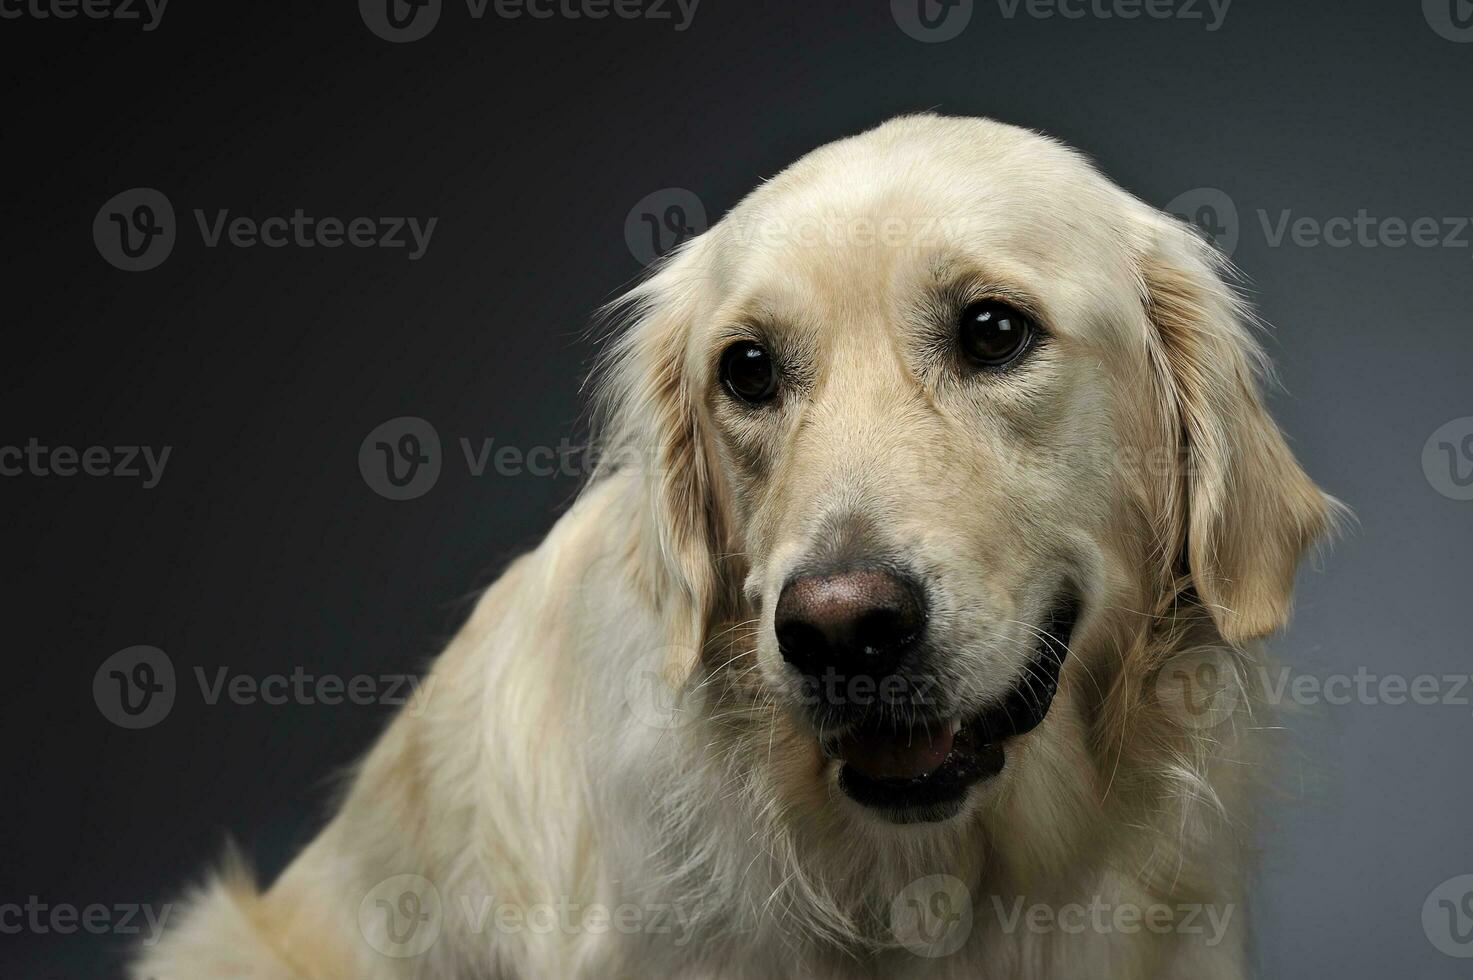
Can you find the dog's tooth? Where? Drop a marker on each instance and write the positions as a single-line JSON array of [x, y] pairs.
[[956, 724]]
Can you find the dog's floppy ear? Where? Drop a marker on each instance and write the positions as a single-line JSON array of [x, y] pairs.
[[652, 429], [1250, 511]]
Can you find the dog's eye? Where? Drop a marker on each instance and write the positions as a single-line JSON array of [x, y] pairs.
[[748, 372], [994, 334]]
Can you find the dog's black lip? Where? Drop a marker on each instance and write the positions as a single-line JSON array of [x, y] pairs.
[[979, 753], [935, 796], [1027, 704]]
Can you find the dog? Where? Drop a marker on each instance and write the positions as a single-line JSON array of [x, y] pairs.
[[908, 626]]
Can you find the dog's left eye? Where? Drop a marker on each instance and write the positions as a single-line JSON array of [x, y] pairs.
[[748, 372], [995, 335]]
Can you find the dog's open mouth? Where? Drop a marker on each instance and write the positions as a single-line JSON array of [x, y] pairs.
[[922, 772]]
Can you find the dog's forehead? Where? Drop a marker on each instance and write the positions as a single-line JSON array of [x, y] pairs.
[[916, 200]]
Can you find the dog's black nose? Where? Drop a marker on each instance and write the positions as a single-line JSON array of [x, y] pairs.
[[848, 624]]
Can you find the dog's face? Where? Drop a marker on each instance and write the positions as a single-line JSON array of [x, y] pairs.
[[936, 407]]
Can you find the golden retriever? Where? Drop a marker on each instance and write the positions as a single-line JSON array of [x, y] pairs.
[[935, 490]]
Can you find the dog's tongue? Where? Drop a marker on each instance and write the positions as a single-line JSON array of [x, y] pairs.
[[905, 754]]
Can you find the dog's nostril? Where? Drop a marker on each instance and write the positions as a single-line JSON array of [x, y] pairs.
[[801, 641], [850, 623], [883, 630]]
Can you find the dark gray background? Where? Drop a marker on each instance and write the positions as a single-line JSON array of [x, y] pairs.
[[263, 549]]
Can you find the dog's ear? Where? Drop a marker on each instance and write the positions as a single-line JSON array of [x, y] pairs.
[[1250, 510], [653, 430]]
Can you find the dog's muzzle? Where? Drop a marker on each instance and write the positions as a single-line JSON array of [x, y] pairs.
[[855, 638]]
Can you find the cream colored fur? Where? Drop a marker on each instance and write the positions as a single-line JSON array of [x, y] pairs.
[[1134, 454]]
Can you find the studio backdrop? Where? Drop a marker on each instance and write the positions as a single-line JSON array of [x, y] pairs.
[[297, 309]]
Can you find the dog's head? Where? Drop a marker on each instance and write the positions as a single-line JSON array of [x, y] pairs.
[[932, 421]]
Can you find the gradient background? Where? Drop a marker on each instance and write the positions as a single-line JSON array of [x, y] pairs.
[[263, 549]]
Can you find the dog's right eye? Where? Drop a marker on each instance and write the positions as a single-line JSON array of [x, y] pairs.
[[748, 372], [994, 335]]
